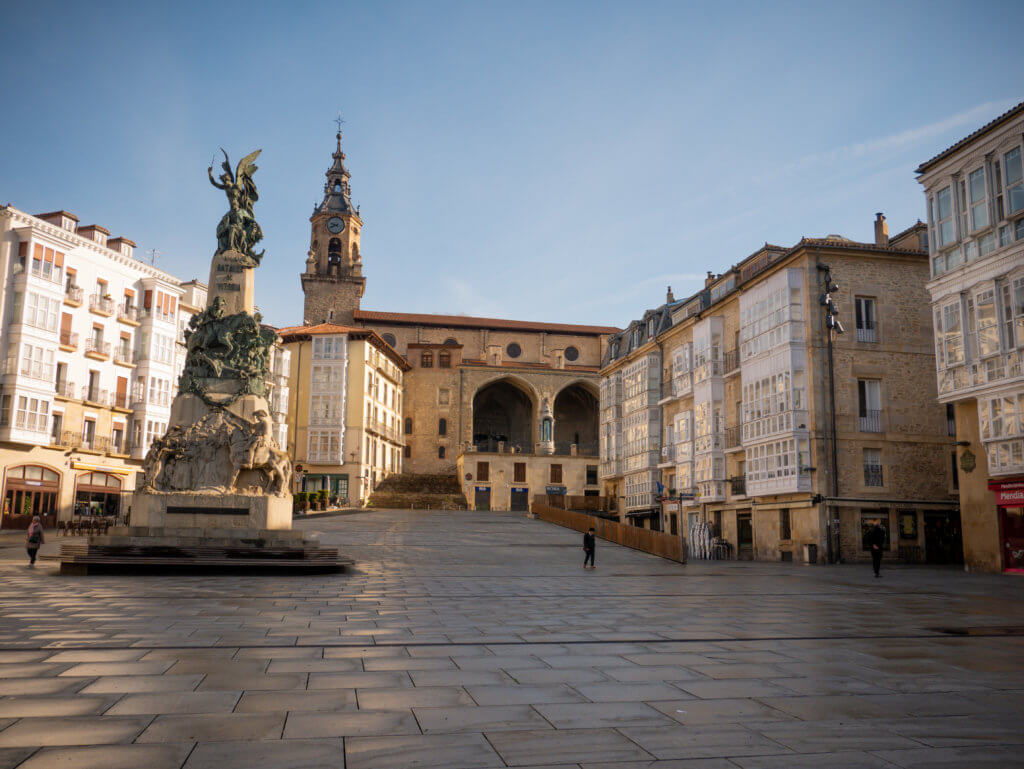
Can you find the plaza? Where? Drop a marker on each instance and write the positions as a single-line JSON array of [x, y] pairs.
[[475, 639]]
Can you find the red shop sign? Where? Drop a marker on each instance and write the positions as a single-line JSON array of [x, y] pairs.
[[1008, 493]]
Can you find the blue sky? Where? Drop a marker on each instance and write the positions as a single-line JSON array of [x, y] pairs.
[[554, 161]]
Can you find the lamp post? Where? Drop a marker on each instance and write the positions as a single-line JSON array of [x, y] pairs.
[[832, 327]]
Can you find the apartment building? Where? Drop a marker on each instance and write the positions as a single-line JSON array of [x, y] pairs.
[[975, 200], [767, 431], [95, 343], [344, 411]]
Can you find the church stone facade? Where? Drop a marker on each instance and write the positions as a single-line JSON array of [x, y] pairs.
[[480, 392]]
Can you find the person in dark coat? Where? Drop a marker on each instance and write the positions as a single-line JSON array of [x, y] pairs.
[[588, 548], [876, 541], [34, 539]]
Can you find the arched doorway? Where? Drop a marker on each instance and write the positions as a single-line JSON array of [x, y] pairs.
[[503, 411], [576, 419], [29, 490], [97, 493]]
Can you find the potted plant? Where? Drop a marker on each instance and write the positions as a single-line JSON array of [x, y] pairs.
[[302, 501], [323, 496]]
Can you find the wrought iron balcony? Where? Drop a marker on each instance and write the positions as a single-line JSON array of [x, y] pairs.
[[97, 347], [95, 395], [65, 389], [128, 313], [102, 305], [873, 475], [732, 360], [68, 339], [738, 486], [867, 334], [124, 355], [73, 294], [871, 421]]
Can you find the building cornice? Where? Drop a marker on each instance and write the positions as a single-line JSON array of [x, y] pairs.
[[77, 241]]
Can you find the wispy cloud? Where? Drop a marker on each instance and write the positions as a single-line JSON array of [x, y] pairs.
[[649, 290], [901, 140]]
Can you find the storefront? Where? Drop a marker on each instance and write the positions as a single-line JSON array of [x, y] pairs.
[[335, 483], [98, 493], [1009, 495], [30, 490]]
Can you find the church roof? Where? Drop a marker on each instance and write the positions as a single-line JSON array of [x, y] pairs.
[[466, 321]]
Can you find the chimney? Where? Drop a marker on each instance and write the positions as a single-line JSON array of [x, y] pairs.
[[709, 279], [669, 298], [881, 230]]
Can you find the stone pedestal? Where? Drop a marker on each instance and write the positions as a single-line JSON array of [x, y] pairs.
[[195, 510], [233, 280]]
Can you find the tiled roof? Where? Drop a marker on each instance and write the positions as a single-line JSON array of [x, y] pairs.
[[296, 333], [992, 124], [832, 242], [465, 321]]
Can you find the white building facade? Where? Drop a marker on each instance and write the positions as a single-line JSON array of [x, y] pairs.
[[975, 198]]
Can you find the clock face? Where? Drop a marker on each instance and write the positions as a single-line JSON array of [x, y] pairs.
[[335, 224]]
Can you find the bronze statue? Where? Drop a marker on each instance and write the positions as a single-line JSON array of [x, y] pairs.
[[238, 230]]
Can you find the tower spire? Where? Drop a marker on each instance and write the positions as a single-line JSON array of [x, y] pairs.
[[337, 191]]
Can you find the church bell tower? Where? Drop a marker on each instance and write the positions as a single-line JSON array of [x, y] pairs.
[[333, 281]]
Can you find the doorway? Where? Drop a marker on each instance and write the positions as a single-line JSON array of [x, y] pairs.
[[519, 501], [943, 541], [1011, 521], [482, 497], [744, 537]]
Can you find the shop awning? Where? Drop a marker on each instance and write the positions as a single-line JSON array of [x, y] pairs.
[[104, 468]]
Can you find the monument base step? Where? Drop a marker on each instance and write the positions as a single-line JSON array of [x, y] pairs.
[[137, 549]]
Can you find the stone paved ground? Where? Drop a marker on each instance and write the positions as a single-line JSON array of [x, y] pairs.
[[472, 640]]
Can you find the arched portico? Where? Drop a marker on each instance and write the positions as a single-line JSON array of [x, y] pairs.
[[576, 411], [504, 410]]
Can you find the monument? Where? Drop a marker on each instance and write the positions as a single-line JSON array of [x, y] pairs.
[[217, 487]]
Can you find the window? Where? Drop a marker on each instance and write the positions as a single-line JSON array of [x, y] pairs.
[[408, 425], [390, 339], [956, 474], [451, 342], [1014, 181], [32, 414], [483, 471], [785, 529], [426, 359], [513, 350], [440, 452], [873, 467], [442, 426], [866, 325], [977, 199], [949, 336], [869, 404], [519, 472], [329, 348], [942, 216], [325, 446], [591, 475], [407, 451], [444, 359], [987, 323], [443, 396], [571, 353], [556, 473]]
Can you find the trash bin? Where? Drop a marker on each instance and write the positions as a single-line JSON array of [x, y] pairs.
[[810, 553]]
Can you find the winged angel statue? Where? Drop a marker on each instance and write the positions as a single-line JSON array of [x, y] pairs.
[[238, 230]]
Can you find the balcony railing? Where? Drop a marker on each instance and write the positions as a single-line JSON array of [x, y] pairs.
[[738, 486], [160, 398], [124, 355], [119, 400], [682, 384], [97, 347], [873, 475], [158, 314], [68, 339], [68, 439], [732, 360], [128, 312], [871, 421], [65, 389], [103, 305], [733, 436], [867, 334], [73, 294], [95, 395]]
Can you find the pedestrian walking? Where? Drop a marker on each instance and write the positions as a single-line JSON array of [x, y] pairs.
[[34, 539], [876, 541], [588, 549]]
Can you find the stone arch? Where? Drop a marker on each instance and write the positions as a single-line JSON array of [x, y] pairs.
[[504, 410], [576, 410]]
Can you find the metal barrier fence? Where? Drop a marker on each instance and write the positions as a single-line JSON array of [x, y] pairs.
[[653, 542]]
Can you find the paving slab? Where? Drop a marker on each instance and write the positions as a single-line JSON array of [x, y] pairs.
[[523, 694], [427, 751], [174, 702], [67, 730], [350, 724], [579, 745], [593, 715], [479, 719], [167, 756], [280, 754], [210, 727]]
